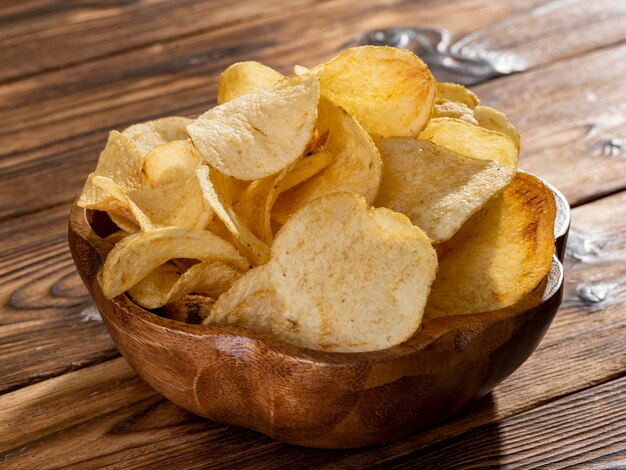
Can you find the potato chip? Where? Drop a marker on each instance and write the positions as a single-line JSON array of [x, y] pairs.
[[256, 203], [125, 204], [436, 188], [360, 283], [167, 284], [169, 162], [389, 91], [190, 309], [127, 223], [175, 204], [258, 134], [304, 169], [147, 135], [300, 70], [452, 109], [453, 92], [215, 188], [494, 120], [139, 254], [121, 162], [356, 166], [499, 255], [148, 292], [254, 206], [243, 78], [470, 140]]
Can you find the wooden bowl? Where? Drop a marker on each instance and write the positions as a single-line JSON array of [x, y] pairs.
[[335, 400]]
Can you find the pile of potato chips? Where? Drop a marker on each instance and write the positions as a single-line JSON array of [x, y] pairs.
[[335, 209]]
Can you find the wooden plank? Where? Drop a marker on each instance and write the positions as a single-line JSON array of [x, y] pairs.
[[39, 285], [48, 324], [567, 120], [193, 64], [55, 124], [60, 421], [582, 113], [584, 430], [40, 36], [583, 348]]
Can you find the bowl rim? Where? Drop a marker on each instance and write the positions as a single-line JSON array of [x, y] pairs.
[[428, 332]]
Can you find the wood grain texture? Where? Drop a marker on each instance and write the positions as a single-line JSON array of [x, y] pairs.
[[48, 323], [55, 124], [101, 414], [565, 116], [582, 430], [584, 347], [316, 398], [32, 40]]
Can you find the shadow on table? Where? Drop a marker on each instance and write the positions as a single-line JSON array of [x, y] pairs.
[[478, 447], [459, 442]]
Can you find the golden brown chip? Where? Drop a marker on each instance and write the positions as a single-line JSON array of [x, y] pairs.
[[121, 162], [147, 135], [176, 204], [356, 166], [125, 205], [493, 119], [436, 188], [137, 255], [452, 109], [148, 292], [258, 134], [126, 222], [304, 169], [389, 91], [256, 202], [243, 78], [167, 283], [499, 255], [456, 93], [170, 162], [359, 283], [472, 141], [215, 190]]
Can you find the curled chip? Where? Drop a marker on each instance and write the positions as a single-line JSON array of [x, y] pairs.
[[470, 140], [147, 135], [169, 162], [257, 201], [360, 283], [243, 78], [452, 92], [258, 134], [175, 204], [137, 255], [121, 162], [356, 166], [215, 190], [166, 283], [127, 205], [499, 255], [436, 188], [493, 119], [304, 169], [452, 109], [389, 91]]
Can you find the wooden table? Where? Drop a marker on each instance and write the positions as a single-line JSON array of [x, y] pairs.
[[71, 71]]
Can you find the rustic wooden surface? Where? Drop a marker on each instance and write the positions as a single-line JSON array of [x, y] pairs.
[[73, 70]]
